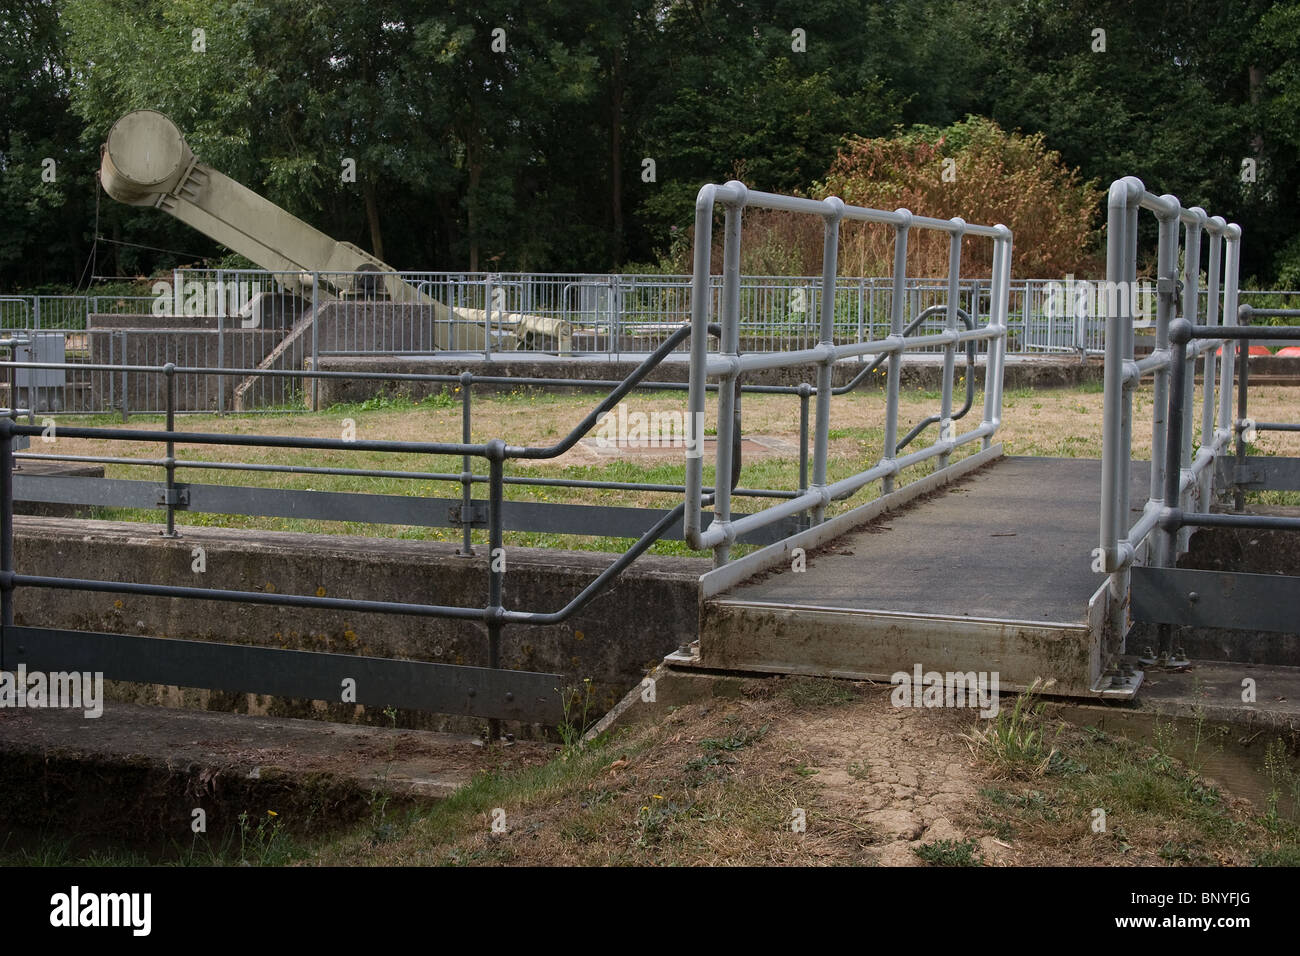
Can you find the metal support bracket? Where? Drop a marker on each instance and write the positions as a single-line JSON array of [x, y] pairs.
[[474, 515], [177, 497], [1120, 681]]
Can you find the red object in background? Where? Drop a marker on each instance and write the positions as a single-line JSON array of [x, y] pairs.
[[1261, 350], [1292, 351]]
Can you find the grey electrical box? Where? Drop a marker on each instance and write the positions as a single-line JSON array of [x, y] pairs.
[[41, 389]]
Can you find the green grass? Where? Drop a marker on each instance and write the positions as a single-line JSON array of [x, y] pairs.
[[372, 419], [1126, 794], [737, 741], [259, 840], [950, 853], [1015, 740]]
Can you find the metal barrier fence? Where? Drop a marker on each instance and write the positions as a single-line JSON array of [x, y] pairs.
[[1188, 326], [613, 314], [728, 364], [486, 692], [1170, 597]]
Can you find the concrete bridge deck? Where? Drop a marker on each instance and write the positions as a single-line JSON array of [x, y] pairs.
[[990, 573]]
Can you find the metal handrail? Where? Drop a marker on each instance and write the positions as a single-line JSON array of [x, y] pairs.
[[494, 615], [728, 363]]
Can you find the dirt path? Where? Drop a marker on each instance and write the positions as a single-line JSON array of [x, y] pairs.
[[907, 774], [803, 772]]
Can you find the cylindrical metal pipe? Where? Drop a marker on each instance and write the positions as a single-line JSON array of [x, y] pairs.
[[169, 371], [6, 524], [1167, 554], [730, 347], [496, 562], [701, 302], [826, 339], [1166, 270], [1112, 449], [1243, 396], [893, 379], [467, 465], [950, 324]]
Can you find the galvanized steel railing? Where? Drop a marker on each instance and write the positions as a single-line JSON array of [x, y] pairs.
[[728, 364], [1181, 479], [1124, 371], [493, 614]]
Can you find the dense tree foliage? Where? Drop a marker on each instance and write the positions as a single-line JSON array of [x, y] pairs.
[[573, 134]]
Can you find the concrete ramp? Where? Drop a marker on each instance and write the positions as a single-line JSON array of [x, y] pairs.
[[991, 573]]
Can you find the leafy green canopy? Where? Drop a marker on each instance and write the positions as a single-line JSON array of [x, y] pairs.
[[573, 134]]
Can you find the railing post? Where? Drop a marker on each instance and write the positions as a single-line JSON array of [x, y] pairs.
[[487, 317], [1209, 394], [496, 563], [947, 427], [805, 392], [126, 401], [1171, 521], [826, 338], [169, 371], [315, 341], [467, 465], [701, 310], [6, 524], [221, 363], [1167, 298], [730, 346], [897, 303], [1190, 309], [862, 307], [615, 317], [1243, 386]]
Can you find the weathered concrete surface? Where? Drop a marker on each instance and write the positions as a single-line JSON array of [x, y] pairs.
[[614, 641], [138, 772], [920, 371], [1212, 690]]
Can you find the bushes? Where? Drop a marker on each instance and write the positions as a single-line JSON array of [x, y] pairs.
[[994, 176]]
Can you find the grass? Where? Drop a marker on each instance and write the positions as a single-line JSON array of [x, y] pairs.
[[726, 783], [1015, 740], [261, 839], [1120, 800], [950, 853], [1060, 422]]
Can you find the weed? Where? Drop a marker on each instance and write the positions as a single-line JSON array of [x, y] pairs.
[[949, 853], [577, 718], [1282, 777], [1015, 741], [737, 741], [262, 843], [653, 818]]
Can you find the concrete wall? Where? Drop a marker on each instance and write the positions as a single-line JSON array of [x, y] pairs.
[[615, 641]]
